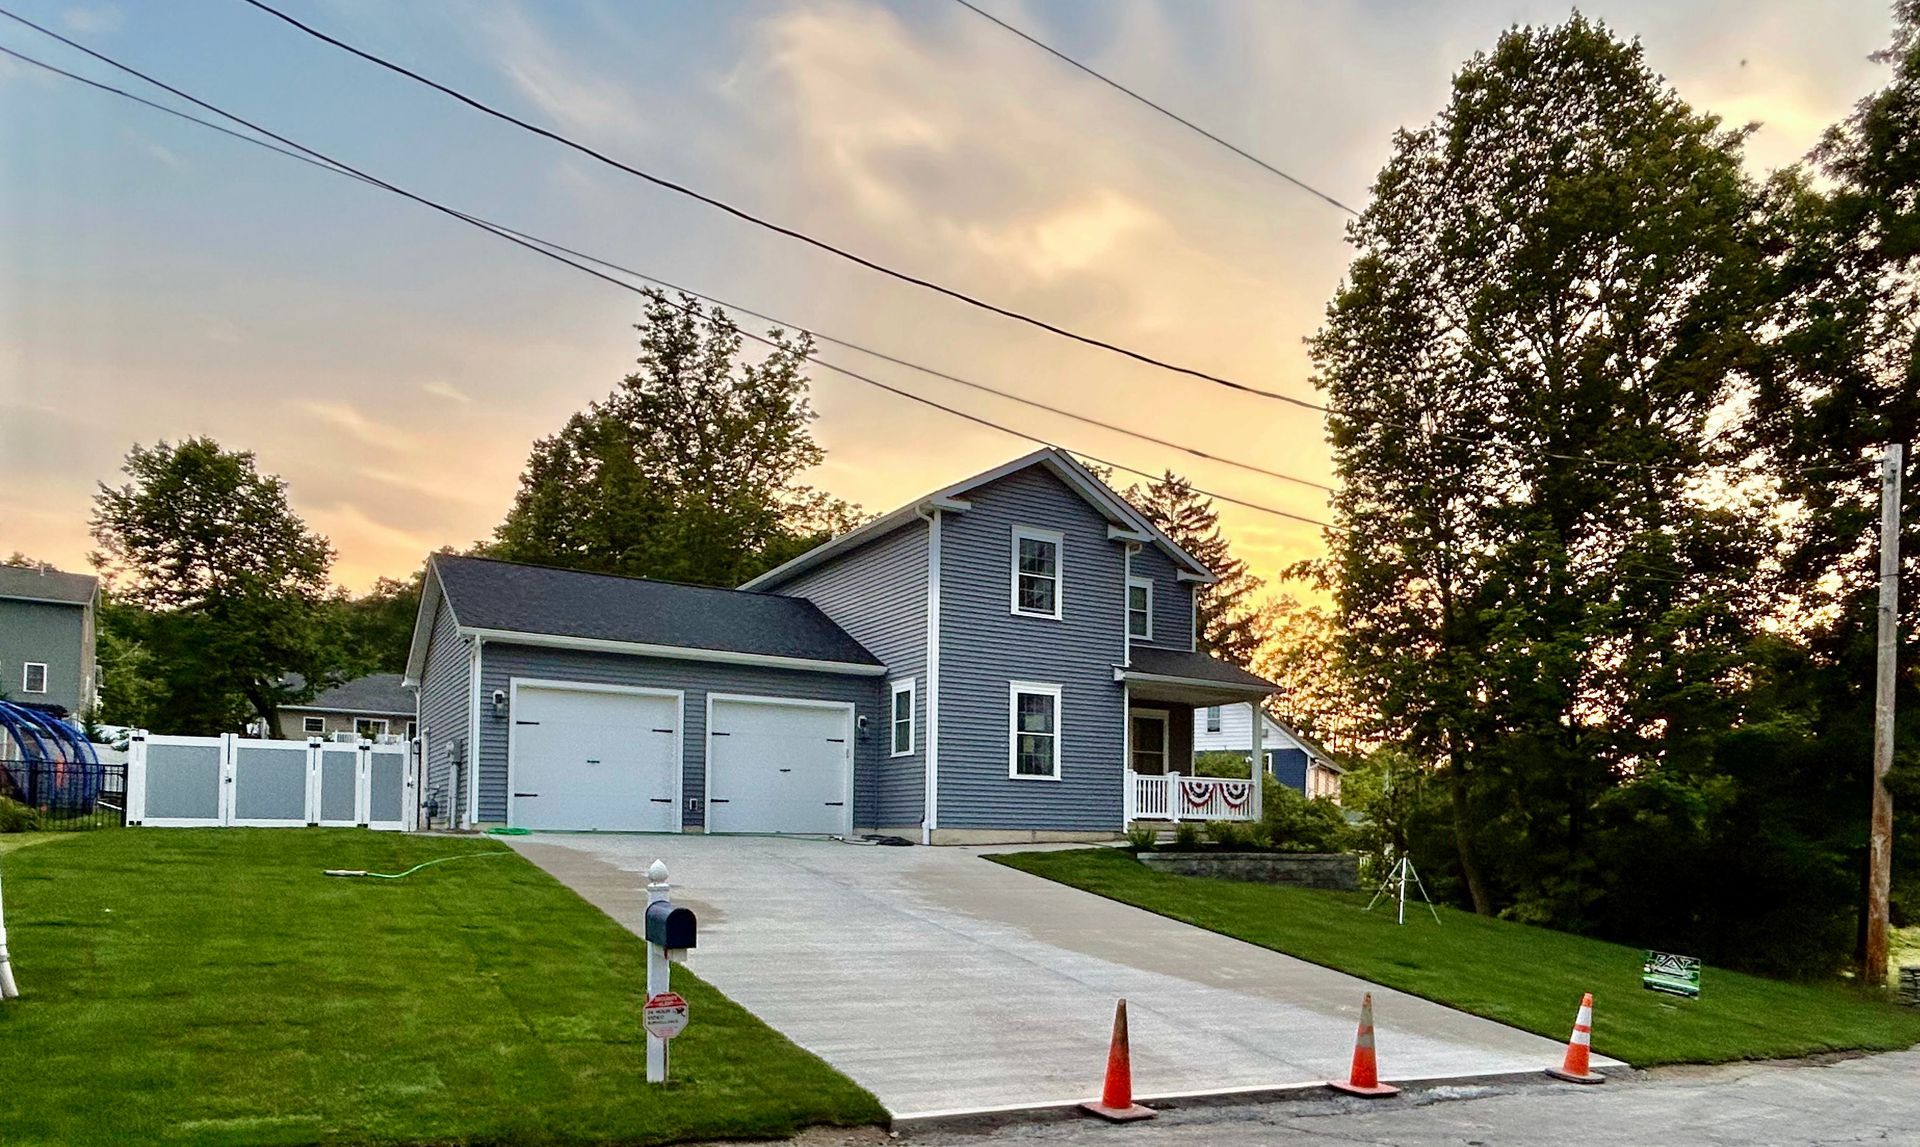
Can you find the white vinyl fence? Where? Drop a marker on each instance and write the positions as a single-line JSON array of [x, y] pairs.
[[216, 782]]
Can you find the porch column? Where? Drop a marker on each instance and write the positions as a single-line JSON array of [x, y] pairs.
[[1257, 765]]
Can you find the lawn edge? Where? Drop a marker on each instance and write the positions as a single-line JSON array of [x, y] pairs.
[[1643, 1065]]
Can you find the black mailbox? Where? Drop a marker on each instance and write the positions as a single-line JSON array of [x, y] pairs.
[[668, 926]]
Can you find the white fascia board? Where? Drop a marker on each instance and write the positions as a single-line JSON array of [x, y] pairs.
[[430, 595], [1122, 534], [675, 652], [1189, 575], [408, 713]]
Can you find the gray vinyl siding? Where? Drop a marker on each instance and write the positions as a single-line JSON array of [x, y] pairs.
[[501, 662], [58, 635], [1172, 599], [984, 646], [878, 593], [446, 701]]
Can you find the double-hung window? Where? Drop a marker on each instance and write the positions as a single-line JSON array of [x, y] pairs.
[[370, 727], [1140, 608], [901, 719], [1213, 718], [1036, 572], [313, 726], [33, 677], [1034, 733]]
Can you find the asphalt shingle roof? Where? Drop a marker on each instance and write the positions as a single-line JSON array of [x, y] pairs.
[[489, 594], [374, 693], [47, 585], [1193, 667]]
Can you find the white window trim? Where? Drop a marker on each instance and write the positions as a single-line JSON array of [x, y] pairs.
[[1059, 542], [307, 726], [1133, 583], [1014, 690], [384, 724], [26, 677], [1215, 718], [904, 685]]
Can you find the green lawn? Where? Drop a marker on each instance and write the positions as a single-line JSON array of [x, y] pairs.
[[211, 986], [1531, 978]]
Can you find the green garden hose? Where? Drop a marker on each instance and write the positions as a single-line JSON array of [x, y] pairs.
[[415, 868]]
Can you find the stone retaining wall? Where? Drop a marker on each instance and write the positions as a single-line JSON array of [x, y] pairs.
[[1910, 985], [1339, 871]]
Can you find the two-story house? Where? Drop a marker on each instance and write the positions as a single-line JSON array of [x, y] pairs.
[[1000, 660], [47, 627]]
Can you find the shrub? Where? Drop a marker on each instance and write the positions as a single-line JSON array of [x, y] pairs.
[[1230, 833], [1142, 837], [1220, 763], [1292, 823], [16, 817], [1186, 834]]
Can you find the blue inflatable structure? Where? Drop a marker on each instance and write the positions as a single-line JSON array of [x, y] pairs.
[[46, 761]]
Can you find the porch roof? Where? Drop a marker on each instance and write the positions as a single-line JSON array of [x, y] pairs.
[[1189, 678]]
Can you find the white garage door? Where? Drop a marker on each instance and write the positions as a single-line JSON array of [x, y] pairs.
[[776, 765], [590, 759]]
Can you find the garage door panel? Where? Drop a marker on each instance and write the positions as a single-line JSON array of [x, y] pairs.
[[778, 767], [592, 760]]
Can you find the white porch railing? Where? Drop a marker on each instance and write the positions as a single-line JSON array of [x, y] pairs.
[[1174, 797]]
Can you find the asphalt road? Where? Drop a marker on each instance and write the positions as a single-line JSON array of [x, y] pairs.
[[1864, 1100]]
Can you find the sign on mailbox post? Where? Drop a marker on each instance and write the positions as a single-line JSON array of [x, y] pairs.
[[666, 1015]]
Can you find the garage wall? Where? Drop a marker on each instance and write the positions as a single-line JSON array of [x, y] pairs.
[[446, 701], [878, 593], [501, 662]]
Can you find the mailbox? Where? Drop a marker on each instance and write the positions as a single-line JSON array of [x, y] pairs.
[[670, 927]]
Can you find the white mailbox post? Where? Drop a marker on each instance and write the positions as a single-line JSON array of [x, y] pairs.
[[670, 932]]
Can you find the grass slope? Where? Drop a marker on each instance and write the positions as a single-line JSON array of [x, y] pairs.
[[1530, 978], [211, 986]]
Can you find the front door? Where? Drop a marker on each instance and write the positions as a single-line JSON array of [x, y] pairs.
[[1150, 742]]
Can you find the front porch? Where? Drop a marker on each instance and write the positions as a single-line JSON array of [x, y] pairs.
[[1164, 690]]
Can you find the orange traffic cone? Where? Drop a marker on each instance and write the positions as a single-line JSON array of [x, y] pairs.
[[1574, 1068], [1116, 1097], [1364, 1077]]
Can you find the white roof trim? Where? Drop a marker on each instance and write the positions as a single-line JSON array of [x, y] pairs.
[[407, 713], [1123, 674], [430, 595], [1076, 476], [676, 652]]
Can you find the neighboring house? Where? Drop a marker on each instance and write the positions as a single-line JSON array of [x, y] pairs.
[[377, 705], [47, 627], [987, 663], [1292, 758]]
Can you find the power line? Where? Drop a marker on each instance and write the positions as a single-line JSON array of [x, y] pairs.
[[1176, 117], [781, 229], [341, 167], [670, 285]]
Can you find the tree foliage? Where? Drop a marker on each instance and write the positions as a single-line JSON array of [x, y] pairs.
[[1228, 612], [690, 470], [216, 581]]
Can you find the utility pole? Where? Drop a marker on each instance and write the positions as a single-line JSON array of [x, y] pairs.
[[1880, 838]]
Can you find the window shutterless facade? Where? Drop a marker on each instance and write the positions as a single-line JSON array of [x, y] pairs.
[[1213, 718], [313, 725], [1140, 608], [1033, 731], [370, 726], [901, 720], [33, 677], [1036, 572]]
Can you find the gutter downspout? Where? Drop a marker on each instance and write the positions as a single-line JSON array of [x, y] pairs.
[[930, 812], [471, 765], [1126, 691]]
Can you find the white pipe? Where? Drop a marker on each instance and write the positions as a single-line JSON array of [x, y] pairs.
[[8, 989]]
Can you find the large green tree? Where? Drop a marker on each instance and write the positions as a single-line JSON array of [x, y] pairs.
[[218, 587], [690, 470], [1839, 380], [1552, 298], [1231, 623]]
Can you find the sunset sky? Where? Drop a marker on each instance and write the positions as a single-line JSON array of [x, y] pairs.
[[158, 280]]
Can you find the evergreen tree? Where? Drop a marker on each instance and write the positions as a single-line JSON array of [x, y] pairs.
[[1228, 613]]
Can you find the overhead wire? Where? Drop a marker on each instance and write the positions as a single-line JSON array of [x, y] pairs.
[[330, 163]]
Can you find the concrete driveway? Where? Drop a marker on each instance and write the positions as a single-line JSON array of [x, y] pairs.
[[943, 982]]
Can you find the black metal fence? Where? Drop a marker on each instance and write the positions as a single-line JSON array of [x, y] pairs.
[[59, 795]]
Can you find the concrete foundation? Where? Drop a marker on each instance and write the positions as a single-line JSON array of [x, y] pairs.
[[1018, 836]]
